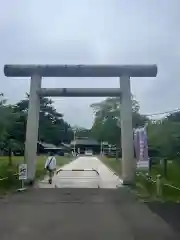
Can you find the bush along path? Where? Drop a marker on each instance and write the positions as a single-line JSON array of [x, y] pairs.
[[154, 186], [9, 179]]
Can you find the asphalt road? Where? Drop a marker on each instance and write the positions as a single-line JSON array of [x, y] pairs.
[[80, 213], [95, 175]]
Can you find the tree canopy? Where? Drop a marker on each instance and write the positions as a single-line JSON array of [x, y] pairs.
[[106, 126], [163, 134], [52, 127]]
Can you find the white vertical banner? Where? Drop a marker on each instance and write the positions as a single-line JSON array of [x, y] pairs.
[[141, 148]]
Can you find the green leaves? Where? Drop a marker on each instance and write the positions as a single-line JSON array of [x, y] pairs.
[[165, 136], [106, 125], [13, 118], [7, 119]]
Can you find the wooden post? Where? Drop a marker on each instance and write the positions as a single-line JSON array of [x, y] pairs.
[[158, 185], [165, 168]]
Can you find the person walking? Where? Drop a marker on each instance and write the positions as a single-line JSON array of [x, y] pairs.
[[50, 165]]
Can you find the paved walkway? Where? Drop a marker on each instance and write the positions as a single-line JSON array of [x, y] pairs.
[[84, 179]]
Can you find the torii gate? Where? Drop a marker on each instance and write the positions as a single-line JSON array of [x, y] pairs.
[[124, 72]]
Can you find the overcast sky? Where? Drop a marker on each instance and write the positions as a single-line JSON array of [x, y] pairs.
[[93, 32]]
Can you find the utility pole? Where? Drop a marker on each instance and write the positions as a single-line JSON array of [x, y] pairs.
[[74, 131], [101, 148]]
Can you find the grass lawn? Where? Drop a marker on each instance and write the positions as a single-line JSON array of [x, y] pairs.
[[113, 163], [12, 181], [146, 189], [173, 172]]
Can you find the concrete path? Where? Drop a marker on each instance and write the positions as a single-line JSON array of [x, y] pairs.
[[84, 179]]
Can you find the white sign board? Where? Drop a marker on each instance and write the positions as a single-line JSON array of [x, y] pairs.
[[22, 171]]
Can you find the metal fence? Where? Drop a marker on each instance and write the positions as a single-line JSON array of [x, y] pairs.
[[71, 178], [159, 186], [6, 178]]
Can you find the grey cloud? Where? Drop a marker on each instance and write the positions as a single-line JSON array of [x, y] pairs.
[[93, 32]]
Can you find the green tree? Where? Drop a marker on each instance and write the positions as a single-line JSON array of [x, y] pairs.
[[81, 132], [106, 125], [164, 135], [7, 120], [52, 127]]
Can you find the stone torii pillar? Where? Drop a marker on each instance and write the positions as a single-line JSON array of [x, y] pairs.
[[36, 72], [32, 126], [127, 144]]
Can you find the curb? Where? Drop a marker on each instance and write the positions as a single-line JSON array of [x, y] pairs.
[[114, 173]]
